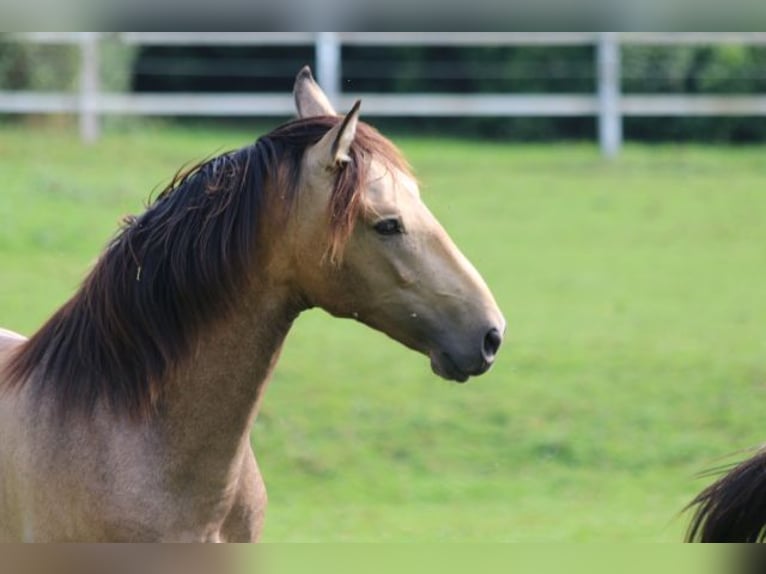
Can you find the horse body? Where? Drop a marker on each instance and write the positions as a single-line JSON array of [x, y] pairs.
[[127, 417]]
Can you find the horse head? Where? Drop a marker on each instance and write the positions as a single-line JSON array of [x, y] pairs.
[[394, 267]]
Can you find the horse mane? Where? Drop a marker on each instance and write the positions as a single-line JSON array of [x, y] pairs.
[[181, 264], [733, 509]]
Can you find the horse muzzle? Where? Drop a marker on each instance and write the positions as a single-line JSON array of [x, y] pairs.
[[470, 362]]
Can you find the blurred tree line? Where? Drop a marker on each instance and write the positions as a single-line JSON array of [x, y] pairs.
[[51, 67], [37, 67], [529, 70]]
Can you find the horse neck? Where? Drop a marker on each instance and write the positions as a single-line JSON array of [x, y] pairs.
[[212, 400]]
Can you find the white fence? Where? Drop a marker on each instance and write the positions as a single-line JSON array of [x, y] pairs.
[[608, 104]]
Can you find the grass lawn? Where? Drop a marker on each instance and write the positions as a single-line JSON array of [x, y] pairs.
[[635, 356]]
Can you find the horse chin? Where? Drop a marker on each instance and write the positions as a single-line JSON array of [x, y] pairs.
[[443, 366]]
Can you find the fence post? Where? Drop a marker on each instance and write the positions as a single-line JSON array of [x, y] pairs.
[[328, 64], [89, 87], [609, 117]]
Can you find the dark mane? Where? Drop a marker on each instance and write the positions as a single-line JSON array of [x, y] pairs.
[[733, 508], [170, 271]]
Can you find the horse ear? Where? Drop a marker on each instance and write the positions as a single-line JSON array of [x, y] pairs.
[[334, 147], [310, 100]]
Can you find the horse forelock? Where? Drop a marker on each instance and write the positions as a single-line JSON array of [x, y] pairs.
[[350, 179], [178, 266]]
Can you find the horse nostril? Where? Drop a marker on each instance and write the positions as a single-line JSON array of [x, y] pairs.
[[492, 341]]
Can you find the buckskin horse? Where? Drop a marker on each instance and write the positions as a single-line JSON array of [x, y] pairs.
[[127, 416]]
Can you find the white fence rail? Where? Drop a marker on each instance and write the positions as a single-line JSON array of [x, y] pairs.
[[608, 104]]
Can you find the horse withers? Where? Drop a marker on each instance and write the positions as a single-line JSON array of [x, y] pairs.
[[127, 416]]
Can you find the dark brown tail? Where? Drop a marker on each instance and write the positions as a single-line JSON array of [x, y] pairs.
[[733, 509]]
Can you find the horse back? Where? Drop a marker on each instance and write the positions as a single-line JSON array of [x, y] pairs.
[[9, 341]]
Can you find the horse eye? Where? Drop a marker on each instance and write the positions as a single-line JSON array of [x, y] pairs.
[[392, 226]]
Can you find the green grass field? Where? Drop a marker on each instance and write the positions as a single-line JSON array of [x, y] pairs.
[[635, 355]]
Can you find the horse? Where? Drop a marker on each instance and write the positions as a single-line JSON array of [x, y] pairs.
[[127, 415], [733, 508]]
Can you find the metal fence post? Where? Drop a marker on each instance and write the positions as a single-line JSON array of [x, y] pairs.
[[328, 63], [609, 117], [89, 87]]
